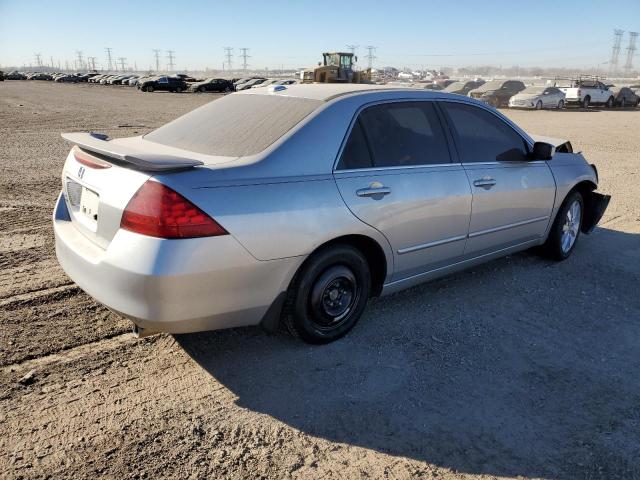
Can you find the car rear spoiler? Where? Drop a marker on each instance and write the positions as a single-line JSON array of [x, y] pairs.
[[151, 162]]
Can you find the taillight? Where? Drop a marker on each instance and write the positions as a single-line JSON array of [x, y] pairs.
[[579, 92], [89, 160], [157, 211]]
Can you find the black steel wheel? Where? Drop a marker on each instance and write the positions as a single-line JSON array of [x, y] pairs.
[[328, 294]]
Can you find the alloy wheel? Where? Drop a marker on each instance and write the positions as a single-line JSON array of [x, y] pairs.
[[571, 226]]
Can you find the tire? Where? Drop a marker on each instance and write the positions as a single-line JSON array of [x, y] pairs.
[[585, 103], [560, 105], [202, 89], [539, 105], [609, 103], [623, 103], [227, 89], [328, 294], [559, 244], [178, 90], [150, 88]]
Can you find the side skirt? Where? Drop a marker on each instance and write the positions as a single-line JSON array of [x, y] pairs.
[[414, 280]]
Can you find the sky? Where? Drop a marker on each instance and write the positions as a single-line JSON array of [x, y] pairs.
[[292, 34]]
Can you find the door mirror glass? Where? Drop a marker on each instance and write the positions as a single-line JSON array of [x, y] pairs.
[[543, 151]]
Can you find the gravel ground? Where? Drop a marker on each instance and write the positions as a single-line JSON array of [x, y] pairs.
[[519, 368]]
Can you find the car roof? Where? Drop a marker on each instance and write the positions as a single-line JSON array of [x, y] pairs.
[[321, 91]]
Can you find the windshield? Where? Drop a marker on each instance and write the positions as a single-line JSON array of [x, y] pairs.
[[332, 59], [235, 125], [534, 89], [492, 85], [454, 86]]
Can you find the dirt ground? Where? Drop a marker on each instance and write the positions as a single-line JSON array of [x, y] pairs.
[[519, 368]]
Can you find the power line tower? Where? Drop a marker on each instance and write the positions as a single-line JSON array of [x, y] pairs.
[[156, 53], [80, 60], [229, 55], [615, 51], [170, 56], [352, 48], [370, 55], [38, 59], [244, 57], [109, 60], [92, 62], [631, 51], [122, 61]]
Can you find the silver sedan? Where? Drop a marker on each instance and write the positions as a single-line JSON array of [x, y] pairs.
[[538, 97], [292, 205]]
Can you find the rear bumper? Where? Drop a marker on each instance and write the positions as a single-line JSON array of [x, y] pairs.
[[174, 286]]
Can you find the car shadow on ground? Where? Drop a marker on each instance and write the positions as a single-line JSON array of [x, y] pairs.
[[573, 109], [519, 367]]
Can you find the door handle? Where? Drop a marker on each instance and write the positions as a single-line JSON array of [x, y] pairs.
[[484, 182], [375, 189]]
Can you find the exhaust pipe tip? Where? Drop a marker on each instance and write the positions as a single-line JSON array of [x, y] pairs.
[[140, 332]]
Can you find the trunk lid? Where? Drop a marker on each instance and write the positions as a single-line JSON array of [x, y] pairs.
[[100, 177], [96, 197]]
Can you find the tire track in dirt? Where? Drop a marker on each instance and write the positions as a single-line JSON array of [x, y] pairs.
[[43, 324]]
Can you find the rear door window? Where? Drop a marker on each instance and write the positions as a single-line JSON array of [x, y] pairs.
[[483, 137], [405, 134]]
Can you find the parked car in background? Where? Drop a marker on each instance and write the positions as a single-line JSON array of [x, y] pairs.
[[184, 77], [266, 83], [250, 83], [497, 92], [1, 76], [240, 81], [169, 84], [202, 225], [624, 96], [538, 97], [444, 82], [585, 91], [212, 85], [121, 79], [66, 78], [86, 76], [127, 81], [463, 87], [15, 75], [39, 76]]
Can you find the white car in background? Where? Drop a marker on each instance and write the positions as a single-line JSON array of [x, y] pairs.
[[538, 97], [588, 91]]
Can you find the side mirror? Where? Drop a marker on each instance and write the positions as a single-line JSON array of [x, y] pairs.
[[543, 151]]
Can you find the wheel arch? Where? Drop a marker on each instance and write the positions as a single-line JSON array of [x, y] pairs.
[[592, 200], [372, 251]]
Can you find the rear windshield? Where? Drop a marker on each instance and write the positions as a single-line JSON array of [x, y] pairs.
[[534, 89], [235, 125], [492, 85], [454, 86]]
